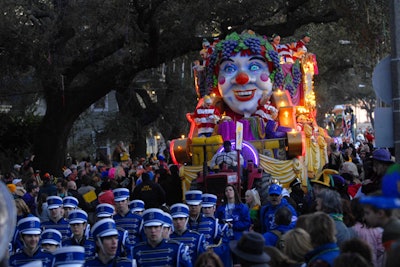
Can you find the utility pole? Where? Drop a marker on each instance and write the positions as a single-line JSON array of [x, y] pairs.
[[395, 72]]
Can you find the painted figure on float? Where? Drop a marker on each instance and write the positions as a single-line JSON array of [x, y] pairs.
[[241, 70]]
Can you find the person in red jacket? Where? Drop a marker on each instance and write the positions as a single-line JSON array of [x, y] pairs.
[[300, 49]]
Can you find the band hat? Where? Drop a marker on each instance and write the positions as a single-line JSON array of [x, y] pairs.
[[104, 210], [54, 202], [120, 194], [250, 247], [136, 205], [37, 263], [105, 227], [390, 197], [70, 202], [179, 210], [51, 236], [168, 221], [29, 226], [275, 189], [153, 217], [69, 256], [208, 200], [77, 216], [193, 197]]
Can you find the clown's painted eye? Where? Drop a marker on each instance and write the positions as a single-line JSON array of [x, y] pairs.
[[229, 68], [254, 67]]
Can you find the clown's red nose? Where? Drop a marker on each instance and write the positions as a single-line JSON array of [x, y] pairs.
[[242, 78]]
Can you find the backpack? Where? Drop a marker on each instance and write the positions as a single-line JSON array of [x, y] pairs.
[[280, 242]]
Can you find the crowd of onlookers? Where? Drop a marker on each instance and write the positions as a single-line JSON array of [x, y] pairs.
[[344, 215]]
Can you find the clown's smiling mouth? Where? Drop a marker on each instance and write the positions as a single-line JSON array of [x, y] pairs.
[[244, 95]]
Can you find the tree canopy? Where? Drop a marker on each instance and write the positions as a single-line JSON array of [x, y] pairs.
[[72, 53]]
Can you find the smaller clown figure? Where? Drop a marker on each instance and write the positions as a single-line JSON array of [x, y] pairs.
[[265, 109], [206, 116]]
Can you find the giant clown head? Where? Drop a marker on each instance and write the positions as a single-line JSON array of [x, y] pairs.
[[243, 68]]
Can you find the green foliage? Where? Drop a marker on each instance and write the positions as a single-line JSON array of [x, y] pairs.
[[79, 51]]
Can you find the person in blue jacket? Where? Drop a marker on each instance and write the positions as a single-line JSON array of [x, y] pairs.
[[234, 213], [56, 220], [125, 245], [78, 221], [283, 218], [220, 237], [105, 234], [29, 231], [156, 250], [195, 241], [275, 201], [124, 218], [321, 228]]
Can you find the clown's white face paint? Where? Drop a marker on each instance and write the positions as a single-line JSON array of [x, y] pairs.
[[242, 80]]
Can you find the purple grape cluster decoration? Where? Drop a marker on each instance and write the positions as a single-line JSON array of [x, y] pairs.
[[254, 44], [296, 75], [290, 88], [278, 79], [228, 46], [275, 58]]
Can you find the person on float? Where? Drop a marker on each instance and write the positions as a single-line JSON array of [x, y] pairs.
[[57, 221], [285, 51], [78, 221], [266, 110], [124, 218], [226, 157], [125, 245], [206, 117], [167, 252], [269, 114], [234, 213], [276, 41], [105, 234], [195, 241], [50, 240], [29, 233], [301, 46]]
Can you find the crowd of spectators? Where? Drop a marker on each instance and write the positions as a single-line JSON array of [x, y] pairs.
[[118, 211]]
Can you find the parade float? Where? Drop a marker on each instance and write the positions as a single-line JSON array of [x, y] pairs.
[[247, 77]]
